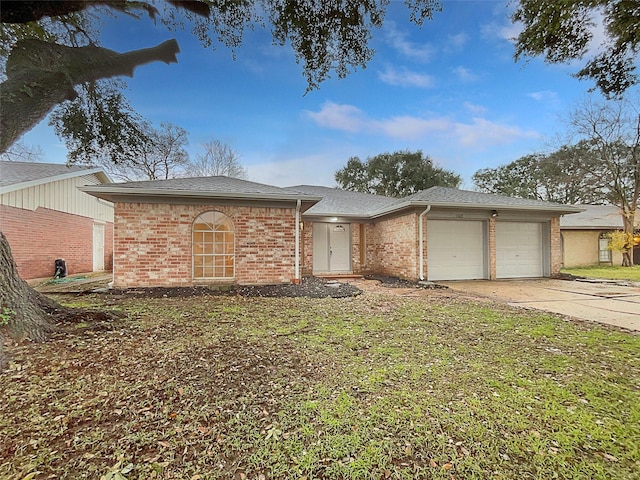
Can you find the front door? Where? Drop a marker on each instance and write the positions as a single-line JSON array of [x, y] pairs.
[[331, 247]]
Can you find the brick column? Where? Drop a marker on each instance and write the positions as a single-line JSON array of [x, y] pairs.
[[492, 248], [556, 246]]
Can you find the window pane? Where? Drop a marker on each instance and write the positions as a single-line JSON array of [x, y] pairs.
[[213, 246]]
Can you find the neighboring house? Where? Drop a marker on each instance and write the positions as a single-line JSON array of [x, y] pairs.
[[225, 230], [584, 236], [45, 216]]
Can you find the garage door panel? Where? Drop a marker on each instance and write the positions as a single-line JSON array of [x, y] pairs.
[[455, 250], [519, 250]]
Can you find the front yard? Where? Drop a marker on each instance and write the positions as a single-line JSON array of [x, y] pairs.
[[369, 387], [607, 272]]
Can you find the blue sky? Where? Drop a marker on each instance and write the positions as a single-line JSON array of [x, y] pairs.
[[450, 89]]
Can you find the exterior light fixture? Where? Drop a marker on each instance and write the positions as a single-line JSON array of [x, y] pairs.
[[494, 213]]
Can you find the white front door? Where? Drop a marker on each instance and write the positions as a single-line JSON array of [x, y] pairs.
[[331, 247], [98, 247], [518, 250], [456, 250]]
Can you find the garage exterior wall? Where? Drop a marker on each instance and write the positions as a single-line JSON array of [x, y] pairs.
[[391, 245], [38, 237], [153, 243], [395, 246]]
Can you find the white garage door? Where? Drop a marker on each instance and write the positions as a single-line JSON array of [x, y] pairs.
[[455, 250], [518, 250]]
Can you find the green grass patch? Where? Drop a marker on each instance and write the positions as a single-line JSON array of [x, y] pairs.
[[370, 387], [607, 272]]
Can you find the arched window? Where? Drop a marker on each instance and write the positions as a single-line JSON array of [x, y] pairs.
[[213, 246]]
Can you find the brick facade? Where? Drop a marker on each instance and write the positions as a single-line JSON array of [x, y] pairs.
[[392, 247], [153, 243], [395, 244], [38, 237]]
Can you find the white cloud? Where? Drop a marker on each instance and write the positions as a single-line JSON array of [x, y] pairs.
[[398, 40], [547, 96], [457, 41], [473, 108], [479, 133], [405, 78], [298, 171], [465, 74], [409, 128], [339, 117], [503, 31], [482, 132]]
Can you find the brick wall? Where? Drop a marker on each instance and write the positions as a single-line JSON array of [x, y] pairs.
[[306, 245], [153, 243], [38, 237], [492, 249], [396, 246], [556, 246]]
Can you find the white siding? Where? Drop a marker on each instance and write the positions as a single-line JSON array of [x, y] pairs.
[[62, 195]]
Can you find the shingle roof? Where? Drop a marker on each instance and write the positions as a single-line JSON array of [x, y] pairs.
[[23, 174], [344, 202], [216, 186], [327, 201], [595, 217], [454, 196]]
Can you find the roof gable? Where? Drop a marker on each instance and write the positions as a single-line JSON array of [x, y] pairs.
[[18, 175]]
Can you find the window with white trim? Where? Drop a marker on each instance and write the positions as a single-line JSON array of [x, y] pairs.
[[213, 246], [604, 253]]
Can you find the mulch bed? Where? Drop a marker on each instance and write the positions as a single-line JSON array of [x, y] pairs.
[[311, 287], [395, 282]]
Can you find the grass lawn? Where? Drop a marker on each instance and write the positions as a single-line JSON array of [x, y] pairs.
[[609, 272], [371, 387]]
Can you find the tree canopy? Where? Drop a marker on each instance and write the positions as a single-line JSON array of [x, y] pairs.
[[562, 31], [51, 49], [570, 175], [395, 174], [603, 167], [218, 159]]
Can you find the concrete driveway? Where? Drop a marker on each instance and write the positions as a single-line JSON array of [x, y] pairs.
[[598, 302]]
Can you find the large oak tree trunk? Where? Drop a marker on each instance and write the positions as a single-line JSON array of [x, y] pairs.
[[40, 75], [24, 312]]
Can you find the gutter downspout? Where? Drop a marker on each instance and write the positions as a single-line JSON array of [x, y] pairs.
[[421, 241], [296, 277]]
